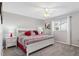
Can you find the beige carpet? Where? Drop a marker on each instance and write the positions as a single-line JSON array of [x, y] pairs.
[[58, 49]]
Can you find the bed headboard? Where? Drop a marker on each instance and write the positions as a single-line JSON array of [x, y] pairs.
[[22, 30]]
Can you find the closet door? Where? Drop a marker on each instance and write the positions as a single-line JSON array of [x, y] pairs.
[[75, 29]]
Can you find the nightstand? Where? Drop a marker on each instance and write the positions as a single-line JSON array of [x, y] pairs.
[[10, 41]]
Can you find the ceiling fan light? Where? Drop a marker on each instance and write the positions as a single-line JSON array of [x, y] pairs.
[[46, 14]]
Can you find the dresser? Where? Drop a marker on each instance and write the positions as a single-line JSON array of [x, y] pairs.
[[10, 41]]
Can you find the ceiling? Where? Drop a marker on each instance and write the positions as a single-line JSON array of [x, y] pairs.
[[37, 9]]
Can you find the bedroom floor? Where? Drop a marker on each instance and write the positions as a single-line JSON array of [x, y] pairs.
[[58, 49]]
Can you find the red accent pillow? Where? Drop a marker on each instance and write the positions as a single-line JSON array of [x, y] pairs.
[[36, 32], [28, 33]]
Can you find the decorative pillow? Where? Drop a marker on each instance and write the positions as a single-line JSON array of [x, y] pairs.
[[11, 35], [28, 33], [36, 32], [40, 32], [33, 33]]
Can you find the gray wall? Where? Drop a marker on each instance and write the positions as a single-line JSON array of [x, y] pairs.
[[19, 21], [13, 19], [61, 36]]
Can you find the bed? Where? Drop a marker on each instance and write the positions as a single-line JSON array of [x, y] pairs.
[[30, 43]]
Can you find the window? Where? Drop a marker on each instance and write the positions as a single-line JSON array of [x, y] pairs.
[[60, 25], [63, 26], [56, 26]]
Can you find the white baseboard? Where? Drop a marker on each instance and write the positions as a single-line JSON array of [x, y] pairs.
[[75, 45], [62, 42], [67, 43]]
